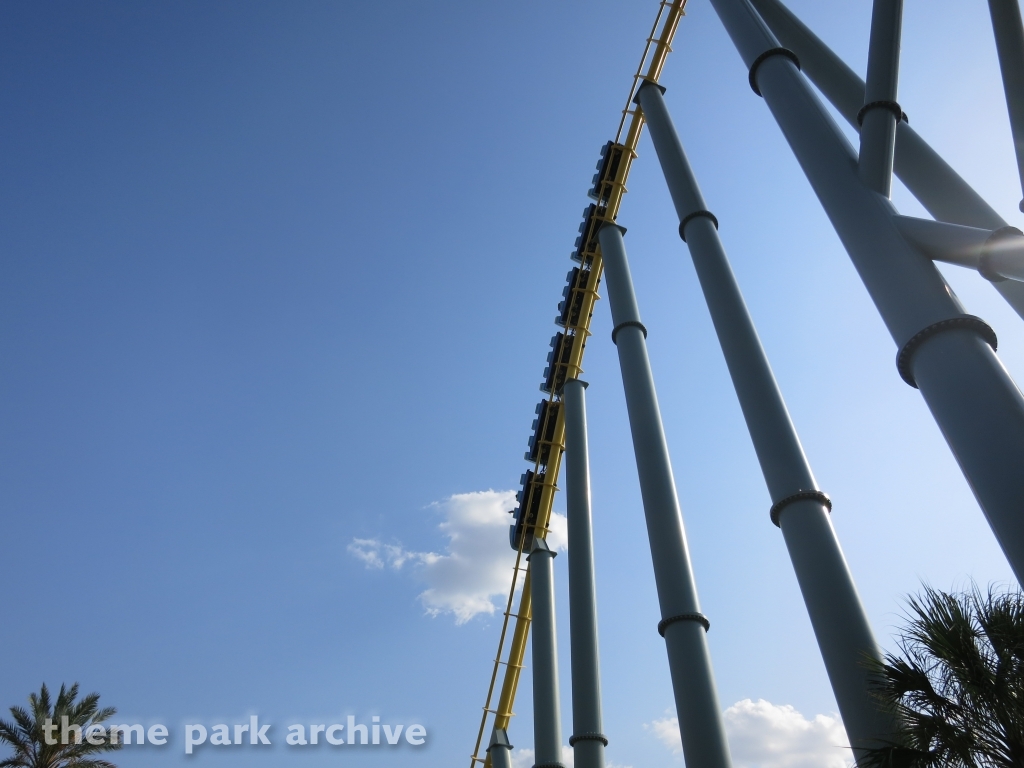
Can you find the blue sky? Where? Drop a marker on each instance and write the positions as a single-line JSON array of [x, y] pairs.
[[280, 277]]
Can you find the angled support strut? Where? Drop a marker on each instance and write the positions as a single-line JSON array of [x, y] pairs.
[[700, 721], [799, 508], [1009, 33], [881, 112], [938, 187], [547, 719], [976, 404], [587, 738]]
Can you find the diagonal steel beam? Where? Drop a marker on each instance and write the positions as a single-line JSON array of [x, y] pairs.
[[939, 188], [682, 624], [799, 507], [1009, 34], [880, 113], [947, 354]]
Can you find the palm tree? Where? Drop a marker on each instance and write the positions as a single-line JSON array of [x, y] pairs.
[[957, 685], [28, 735]]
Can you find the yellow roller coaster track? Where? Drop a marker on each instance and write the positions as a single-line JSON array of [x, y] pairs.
[[565, 361]]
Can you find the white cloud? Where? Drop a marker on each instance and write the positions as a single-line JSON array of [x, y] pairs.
[[523, 758], [765, 735], [666, 730], [558, 532], [477, 565], [376, 555]]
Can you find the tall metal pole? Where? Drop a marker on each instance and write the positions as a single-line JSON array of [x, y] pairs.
[[587, 738], [799, 508], [1009, 33], [500, 750], [945, 353], [880, 113], [547, 719], [682, 625], [941, 190]]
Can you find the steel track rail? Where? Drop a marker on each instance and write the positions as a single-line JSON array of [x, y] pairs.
[[566, 363]]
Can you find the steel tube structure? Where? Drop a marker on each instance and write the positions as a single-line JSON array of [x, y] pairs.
[[799, 507], [997, 255], [588, 740], [881, 112], [547, 719], [945, 353], [1009, 34], [930, 179], [938, 187], [683, 625], [500, 750]]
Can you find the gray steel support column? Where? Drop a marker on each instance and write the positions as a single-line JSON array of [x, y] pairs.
[[840, 625], [683, 625], [929, 178], [547, 719], [500, 750], [880, 113], [1009, 33], [588, 740], [948, 355]]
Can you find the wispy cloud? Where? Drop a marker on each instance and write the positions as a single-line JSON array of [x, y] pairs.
[[766, 735], [476, 567], [523, 758], [666, 730], [377, 555]]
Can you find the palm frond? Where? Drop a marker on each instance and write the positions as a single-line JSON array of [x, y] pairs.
[[26, 733], [956, 686]]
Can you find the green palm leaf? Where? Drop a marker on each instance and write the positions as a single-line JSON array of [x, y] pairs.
[[957, 684], [25, 733]]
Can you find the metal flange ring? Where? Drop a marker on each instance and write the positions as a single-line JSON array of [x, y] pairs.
[[700, 618], [966, 322]]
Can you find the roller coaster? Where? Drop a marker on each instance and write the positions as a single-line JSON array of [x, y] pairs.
[[949, 355]]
